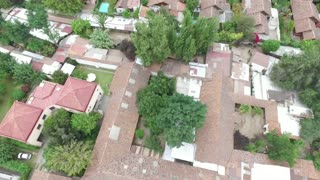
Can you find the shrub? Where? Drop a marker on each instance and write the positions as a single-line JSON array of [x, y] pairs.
[[40, 46], [6, 151], [316, 159], [153, 142], [81, 27], [139, 133], [18, 95], [59, 77], [78, 73], [101, 39], [126, 14], [255, 147], [72, 61], [228, 37], [144, 2], [18, 166], [257, 111], [135, 13], [25, 88], [270, 45], [128, 49], [245, 109]]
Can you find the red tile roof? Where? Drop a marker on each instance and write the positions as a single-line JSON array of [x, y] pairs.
[[76, 94], [127, 4], [37, 66], [46, 95], [143, 11], [19, 121]]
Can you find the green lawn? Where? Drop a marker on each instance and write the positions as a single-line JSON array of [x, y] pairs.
[[5, 99], [104, 77]]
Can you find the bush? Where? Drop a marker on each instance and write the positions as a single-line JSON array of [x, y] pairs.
[[25, 88], [153, 142], [59, 77], [257, 111], [228, 37], [135, 13], [126, 14], [18, 95], [256, 147], [42, 47], [72, 61], [128, 49], [6, 151], [82, 28], [79, 74], [139, 133], [270, 45], [144, 2], [18, 166], [101, 39], [245, 109]]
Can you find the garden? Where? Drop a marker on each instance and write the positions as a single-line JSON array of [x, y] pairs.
[[71, 138], [166, 116]]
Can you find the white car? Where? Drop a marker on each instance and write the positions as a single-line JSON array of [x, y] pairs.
[[24, 156]]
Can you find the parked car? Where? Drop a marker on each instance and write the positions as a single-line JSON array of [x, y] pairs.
[[24, 156]]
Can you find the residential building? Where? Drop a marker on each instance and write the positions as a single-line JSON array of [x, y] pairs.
[[306, 19], [175, 7], [216, 8], [131, 5], [24, 121]]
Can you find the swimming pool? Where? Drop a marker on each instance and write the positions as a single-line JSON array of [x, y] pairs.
[[104, 7]]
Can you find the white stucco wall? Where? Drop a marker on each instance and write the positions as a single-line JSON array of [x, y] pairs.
[[97, 64], [98, 93]]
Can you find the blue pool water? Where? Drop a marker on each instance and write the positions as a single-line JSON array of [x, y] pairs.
[[104, 7]]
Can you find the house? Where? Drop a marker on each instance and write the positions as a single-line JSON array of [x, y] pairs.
[[24, 121], [261, 11], [216, 8], [175, 7], [131, 5], [306, 18]]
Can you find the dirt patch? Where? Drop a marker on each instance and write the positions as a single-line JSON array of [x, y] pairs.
[[251, 126], [118, 36]]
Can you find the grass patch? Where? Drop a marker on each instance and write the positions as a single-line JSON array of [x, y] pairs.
[[18, 166], [104, 77], [23, 146], [5, 99]]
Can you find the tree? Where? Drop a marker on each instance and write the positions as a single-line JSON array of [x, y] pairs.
[[5, 4], [6, 151], [37, 16], [192, 4], [101, 18], [58, 128], [270, 45], [81, 27], [15, 32], [126, 14], [308, 96], [18, 95], [128, 49], [7, 64], [59, 77], [85, 122], [144, 2], [101, 39], [310, 129], [23, 73], [180, 118], [205, 33], [281, 148], [154, 143], [185, 45], [162, 85], [3, 88], [151, 40], [246, 25], [72, 158], [40, 46], [69, 7], [78, 73]]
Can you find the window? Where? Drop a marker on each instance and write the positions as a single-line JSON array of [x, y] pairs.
[[39, 126], [44, 116]]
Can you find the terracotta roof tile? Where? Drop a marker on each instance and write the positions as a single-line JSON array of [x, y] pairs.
[[143, 11], [76, 94], [260, 59], [127, 4], [37, 66], [19, 121]]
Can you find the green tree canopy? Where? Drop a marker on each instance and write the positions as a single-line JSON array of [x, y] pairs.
[[14, 32], [58, 128], [246, 25], [82, 27], [101, 39], [37, 16], [23, 73], [310, 129], [6, 150], [72, 158], [180, 118], [185, 45], [68, 7], [282, 148], [151, 41], [59, 77], [270, 45], [205, 33], [7, 64], [85, 122], [192, 4]]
